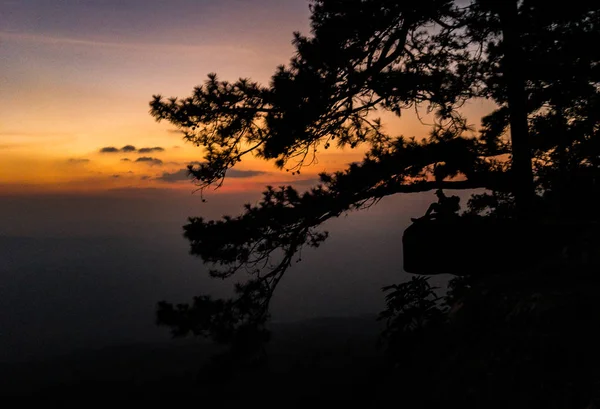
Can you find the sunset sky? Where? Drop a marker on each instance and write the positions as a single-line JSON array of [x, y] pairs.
[[77, 75], [92, 192]]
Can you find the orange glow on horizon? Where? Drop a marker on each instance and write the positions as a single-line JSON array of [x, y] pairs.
[[71, 93]]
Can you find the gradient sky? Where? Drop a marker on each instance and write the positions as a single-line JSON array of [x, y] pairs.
[[94, 238], [76, 76]]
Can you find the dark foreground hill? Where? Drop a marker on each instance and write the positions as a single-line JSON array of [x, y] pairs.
[[333, 359]]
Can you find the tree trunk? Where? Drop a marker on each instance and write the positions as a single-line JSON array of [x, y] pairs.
[[522, 173]]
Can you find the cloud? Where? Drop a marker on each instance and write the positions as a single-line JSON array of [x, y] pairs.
[[78, 160], [298, 182], [235, 173], [9, 145], [167, 47], [181, 174], [150, 150], [125, 160], [131, 148], [149, 160], [33, 134]]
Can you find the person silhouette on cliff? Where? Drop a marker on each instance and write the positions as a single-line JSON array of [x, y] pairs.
[[445, 208]]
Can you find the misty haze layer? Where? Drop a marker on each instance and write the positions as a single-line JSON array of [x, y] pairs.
[[82, 272]]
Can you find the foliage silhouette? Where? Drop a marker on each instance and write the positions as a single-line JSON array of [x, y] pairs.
[[410, 307], [496, 341], [536, 154]]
